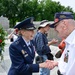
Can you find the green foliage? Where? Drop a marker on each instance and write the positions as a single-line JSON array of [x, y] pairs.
[[18, 10], [2, 41]]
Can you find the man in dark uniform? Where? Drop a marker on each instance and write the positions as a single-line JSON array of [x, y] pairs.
[[22, 51]]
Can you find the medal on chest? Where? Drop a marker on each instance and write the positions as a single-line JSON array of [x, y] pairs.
[[66, 56]]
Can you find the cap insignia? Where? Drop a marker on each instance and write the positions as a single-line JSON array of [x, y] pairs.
[[62, 16]]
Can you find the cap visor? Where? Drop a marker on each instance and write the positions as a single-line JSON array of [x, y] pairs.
[[53, 25]]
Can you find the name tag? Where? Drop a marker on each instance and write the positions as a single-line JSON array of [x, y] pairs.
[[25, 55]]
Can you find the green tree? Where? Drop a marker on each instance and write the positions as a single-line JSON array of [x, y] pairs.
[[10, 10], [18, 10]]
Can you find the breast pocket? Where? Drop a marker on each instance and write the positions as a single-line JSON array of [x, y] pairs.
[[28, 59]]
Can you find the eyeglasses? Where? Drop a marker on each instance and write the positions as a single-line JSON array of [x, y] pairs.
[[60, 23]]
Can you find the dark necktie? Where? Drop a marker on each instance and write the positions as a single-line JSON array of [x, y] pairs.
[[30, 48]]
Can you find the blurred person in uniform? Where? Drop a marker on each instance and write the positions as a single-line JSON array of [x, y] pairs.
[[64, 25], [22, 51], [42, 45]]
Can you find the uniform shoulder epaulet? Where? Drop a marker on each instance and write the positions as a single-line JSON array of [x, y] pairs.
[[17, 42]]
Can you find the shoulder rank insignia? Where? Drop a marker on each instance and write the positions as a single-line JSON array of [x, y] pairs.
[[17, 42]]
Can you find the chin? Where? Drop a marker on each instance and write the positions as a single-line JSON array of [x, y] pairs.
[[31, 38]]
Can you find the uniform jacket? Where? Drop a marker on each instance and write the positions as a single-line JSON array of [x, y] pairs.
[[22, 58]]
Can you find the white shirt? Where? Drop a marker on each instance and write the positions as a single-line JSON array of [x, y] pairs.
[[27, 43], [14, 37], [68, 68]]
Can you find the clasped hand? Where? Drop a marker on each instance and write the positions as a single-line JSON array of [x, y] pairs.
[[50, 64]]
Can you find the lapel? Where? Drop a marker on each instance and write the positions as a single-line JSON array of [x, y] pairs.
[[25, 47]]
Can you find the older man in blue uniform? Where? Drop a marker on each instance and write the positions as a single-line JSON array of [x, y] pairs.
[[22, 51]]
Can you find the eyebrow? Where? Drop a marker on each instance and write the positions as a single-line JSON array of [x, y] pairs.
[[58, 23]]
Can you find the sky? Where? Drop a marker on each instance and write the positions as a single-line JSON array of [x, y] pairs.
[[66, 3]]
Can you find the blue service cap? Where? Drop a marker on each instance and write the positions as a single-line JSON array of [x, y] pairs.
[[61, 16], [26, 24]]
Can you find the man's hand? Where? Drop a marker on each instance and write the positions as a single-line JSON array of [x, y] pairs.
[[48, 64], [53, 41], [52, 63]]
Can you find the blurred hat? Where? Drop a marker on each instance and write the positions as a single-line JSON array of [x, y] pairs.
[[26, 24], [61, 16], [44, 23]]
